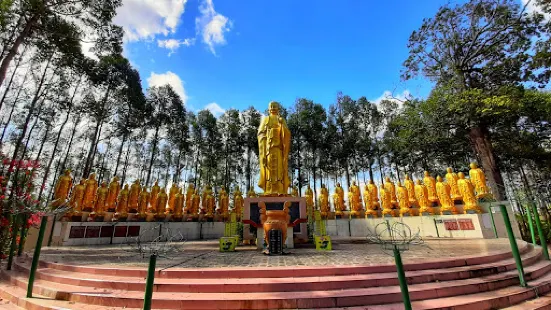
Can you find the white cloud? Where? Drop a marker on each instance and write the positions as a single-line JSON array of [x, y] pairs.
[[168, 78], [212, 25], [388, 95], [215, 109], [173, 44], [144, 19], [534, 7]]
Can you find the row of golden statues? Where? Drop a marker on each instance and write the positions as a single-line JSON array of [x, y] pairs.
[[87, 196], [398, 200]]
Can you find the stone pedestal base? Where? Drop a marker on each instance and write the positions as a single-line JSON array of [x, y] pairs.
[[289, 242]]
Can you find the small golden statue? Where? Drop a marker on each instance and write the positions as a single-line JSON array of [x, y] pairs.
[[467, 192], [355, 200], [77, 198], [172, 195], [370, 209], [338, 200], [430, 184], [251, 192], [294, 191], [386, 203], [122, 203], [478, 179], [189, 197], [143, 202], [208, 205], [374, 194], [162, 200], [134, 196], [62, 189], [324, 201], [238, 203], [309, 195], [403, 200], [90, 188], [195, 203], [224, 203], [274, 142], [178, 206], [101, 199], [155, 190], [422, 196], [451, 180], [391, 189], [114, 189], [410, 186], [443, 190]]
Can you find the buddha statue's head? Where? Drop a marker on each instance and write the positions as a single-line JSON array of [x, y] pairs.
[[82, 181], [387, 179], [92, 176], [461, 175], [156, 183], [103, 184], [418, 182], [473, 165], [322, 185], [427, 173], [399, 184], [126, 186], [439, 178], [407, 177], [174, 185], [338, 184], [137, 182], [273, 108], [67, 172], [370, 181], [449, 170], [115, 179], [353, 183]]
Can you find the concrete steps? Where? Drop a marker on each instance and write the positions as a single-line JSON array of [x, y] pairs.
[[476, 282]]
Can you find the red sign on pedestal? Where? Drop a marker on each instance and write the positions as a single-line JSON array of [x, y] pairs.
[[451, 225], [466, 224]]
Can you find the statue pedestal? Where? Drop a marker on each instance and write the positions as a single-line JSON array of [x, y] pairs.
[[297, 212], [289, 242], [108, 216]]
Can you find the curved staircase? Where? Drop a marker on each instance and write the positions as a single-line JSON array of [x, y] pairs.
[[476, 282]]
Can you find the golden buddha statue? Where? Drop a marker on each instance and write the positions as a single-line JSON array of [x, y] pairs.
[[451, 180], [274, 141], [340, 192], [155, 189], [114, 189], [251, 192], [403, 200], [422, 196], [410, 186], [294, 191], [209, 204], [143, 201], [101, 199], [374, 194], [172, 195], [90, 188], [62, 189], [370, 209], [162, 200], [355, 200], [478, 179], [430, 184], [443, 190], [324, 201], [224, 203], [122, 203], [238, 202], [179, 205], [77, 197], [386, 203], [338, 204], [189, 197], [134, 196], [467, 192], [389, 187], [309, 195], [207, 190], [195, 203]]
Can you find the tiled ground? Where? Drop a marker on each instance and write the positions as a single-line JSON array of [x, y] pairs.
[[204, 254]]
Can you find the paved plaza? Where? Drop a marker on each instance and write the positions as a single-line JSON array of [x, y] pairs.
[[205, 254]]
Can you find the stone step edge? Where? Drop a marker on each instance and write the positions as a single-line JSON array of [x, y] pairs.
[[296, 271], [318, 283], [312, 299]]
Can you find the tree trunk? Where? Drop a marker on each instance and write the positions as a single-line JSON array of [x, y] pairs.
[[125, 167], [124, 137], [94, 144], [8, 87], [153, 147], [479, 137], [70, 144], [248, 169], [370, 169]]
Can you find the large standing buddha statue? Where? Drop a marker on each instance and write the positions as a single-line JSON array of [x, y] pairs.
[[478, 180], [274, 141]]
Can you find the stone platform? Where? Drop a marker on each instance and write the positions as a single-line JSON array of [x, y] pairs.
[[468, 274]]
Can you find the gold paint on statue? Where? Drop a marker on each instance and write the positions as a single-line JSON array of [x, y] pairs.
[[410, 186], [101, 199], [274, 141], [162, 200], [195, 203], [355, 200], [155, 190], [134, 196], [114, 189], [224, 203], [374, 194], [171, 196], [403, 200], [467, 191], [370, 209], [422, 196], [443, 190], [251, 192], [238, 203], [143, 202], [430, 183], [324, 201], [179, 204], [391, 189], [309, 195], [189, 198], [338, 200], [451, 180], [122, 203], [386, 203], [62, 189], [90, 188], [478, 180], [77, 197], [294, 191], [209, 204]]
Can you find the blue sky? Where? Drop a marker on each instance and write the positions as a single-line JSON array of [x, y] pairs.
[[233, 54]]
